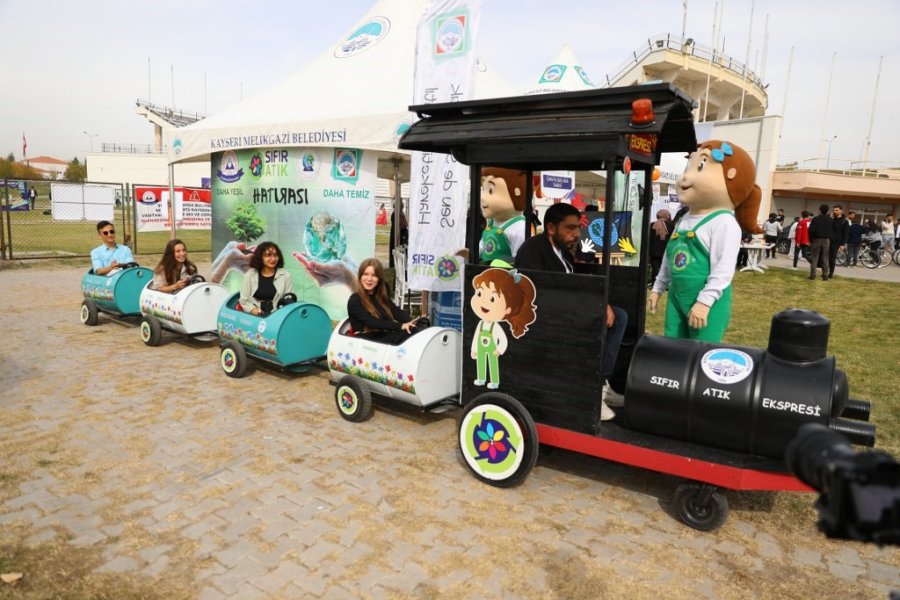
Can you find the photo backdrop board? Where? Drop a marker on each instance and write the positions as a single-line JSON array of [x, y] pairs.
[[317, 204]]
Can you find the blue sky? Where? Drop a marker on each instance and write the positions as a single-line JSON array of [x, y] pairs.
[[79, 66]]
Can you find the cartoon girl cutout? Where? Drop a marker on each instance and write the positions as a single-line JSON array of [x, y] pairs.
[[500, 295]]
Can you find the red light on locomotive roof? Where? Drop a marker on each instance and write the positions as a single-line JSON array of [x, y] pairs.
[[642, 112]]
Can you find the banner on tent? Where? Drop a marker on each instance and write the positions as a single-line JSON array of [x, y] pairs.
[[192, 208], [439, 186], [317, 204]]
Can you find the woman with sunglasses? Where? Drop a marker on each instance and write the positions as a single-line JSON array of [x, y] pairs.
[[174, 271], [109, 256], [266, 282]]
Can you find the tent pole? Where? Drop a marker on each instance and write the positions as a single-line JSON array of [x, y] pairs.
[[398, 207], [172, 197]]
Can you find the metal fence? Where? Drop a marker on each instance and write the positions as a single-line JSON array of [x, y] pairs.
[[65, 225], [61, 220]]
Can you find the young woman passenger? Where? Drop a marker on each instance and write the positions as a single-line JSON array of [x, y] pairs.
[[266, 282], [174, 269], [371, 311]]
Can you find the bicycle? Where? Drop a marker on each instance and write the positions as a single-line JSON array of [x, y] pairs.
[[874, 258], [896, 257]]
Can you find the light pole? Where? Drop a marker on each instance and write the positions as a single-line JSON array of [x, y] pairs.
[[91, 136], [828, 159]]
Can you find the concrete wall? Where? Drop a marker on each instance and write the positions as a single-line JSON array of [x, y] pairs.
[[142, 168]]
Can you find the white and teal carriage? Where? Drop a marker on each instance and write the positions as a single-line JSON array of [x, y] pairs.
[[117, 295], [292, 337], [423, 371], [191, 311]]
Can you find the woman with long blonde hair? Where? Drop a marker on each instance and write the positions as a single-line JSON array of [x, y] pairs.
[[371, 311]]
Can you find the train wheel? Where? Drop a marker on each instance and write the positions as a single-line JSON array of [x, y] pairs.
[[497, 439], [353, 399], [151, 330], [89, 313], [233, 359], [700, 506]]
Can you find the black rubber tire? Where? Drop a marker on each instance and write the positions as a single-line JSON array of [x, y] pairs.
[[353, 399], [233, 359], [870, 260], [783, 245], [690, 508], [896, 258], [151, 330], [89, 313], [842, 258], [525, 456]]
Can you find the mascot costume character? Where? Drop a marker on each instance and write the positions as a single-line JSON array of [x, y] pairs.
[[502, 203], [702, 253]]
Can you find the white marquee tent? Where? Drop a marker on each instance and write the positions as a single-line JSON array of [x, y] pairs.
[[354, 95]]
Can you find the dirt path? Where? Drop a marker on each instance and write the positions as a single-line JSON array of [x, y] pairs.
[[146, 472]]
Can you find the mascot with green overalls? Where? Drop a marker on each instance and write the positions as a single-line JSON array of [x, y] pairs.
[[719, 188], [502, 203]]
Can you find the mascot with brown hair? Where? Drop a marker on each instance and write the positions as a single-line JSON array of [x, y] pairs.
[[502, 202], [718, 187]]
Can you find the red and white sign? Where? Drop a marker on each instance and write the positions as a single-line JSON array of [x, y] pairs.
[[192, 208]]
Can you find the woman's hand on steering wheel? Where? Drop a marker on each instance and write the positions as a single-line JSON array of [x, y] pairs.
[[408, 326]]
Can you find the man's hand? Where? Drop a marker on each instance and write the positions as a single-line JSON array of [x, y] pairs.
[[697, 315], [653, 302], [587, 246], [610, 316]]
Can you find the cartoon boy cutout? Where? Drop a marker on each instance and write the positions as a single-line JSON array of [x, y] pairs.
[[500, 295], [502, 202]]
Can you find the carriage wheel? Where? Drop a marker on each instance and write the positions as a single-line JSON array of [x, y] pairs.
[[497, 439], [233, 359], [353, 399], [700, 506], [89, 312], [151, 330]]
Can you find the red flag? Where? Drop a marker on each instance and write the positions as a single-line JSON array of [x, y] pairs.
[[24, 146]]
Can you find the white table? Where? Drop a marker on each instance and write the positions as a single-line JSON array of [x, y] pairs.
[[754, 257]]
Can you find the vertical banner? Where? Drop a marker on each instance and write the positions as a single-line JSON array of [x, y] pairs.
[[317, 204], [439, 186]]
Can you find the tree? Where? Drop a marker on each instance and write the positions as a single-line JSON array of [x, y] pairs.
[[245, 224], [75, 171], [10, 169]]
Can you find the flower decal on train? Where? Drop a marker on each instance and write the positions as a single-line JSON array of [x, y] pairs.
[[370, 370], [491, 441]]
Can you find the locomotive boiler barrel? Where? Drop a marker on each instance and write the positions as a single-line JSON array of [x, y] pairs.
[[731, 397]]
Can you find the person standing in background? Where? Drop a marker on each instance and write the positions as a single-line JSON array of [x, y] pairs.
[[662, 231], [819, 242], [801, 239], [840, 229], [771, 229], [854, 239]]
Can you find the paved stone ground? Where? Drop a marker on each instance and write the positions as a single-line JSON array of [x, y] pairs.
[[256, 488]]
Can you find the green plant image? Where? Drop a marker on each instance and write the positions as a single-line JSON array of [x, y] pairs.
[[245, 224]]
